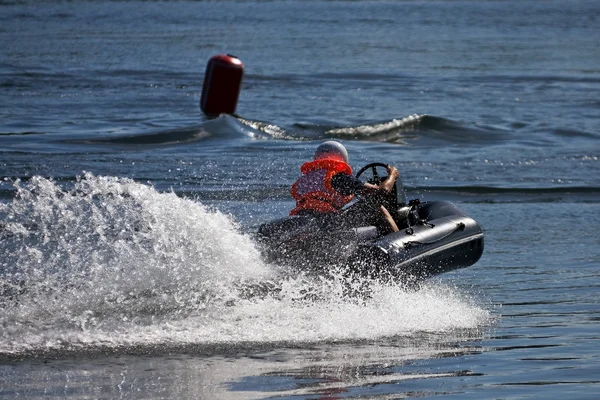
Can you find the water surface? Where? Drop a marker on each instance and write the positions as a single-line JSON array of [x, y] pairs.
[[127, 258]]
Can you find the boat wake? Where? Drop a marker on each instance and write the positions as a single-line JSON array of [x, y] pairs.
[[422, 130], [108, 265]]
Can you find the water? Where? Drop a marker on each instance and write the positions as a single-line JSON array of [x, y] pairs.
[[127, 259]]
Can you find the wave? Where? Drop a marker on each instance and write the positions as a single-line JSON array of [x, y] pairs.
[[412, 130], [425, 129], [167, 137], [222, 127], [421, 130], [417, 129], [109, 265]]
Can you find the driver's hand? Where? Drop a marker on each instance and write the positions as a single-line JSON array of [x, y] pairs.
[[392, 171]]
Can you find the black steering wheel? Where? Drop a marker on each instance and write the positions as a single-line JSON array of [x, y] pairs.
[[375, 179], [390, 200]]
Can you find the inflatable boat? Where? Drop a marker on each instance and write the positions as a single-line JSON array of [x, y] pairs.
[[433, 238]]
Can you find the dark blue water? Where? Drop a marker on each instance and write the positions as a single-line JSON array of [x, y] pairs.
[[128, 216]]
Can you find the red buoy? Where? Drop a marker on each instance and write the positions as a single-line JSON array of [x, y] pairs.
[[222, 85]]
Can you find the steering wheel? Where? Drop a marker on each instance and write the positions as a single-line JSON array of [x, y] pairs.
[[376, 179], [390, 200]]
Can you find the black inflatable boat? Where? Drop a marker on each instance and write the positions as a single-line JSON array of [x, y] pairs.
[[433, 237]]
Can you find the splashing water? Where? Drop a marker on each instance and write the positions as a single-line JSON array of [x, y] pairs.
[[111, 263]]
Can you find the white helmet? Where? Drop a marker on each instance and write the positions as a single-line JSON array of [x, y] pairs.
[[331, 149]]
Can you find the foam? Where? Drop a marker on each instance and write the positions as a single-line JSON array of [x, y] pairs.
[[112, 263]]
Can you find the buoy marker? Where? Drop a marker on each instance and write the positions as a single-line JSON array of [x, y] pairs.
[[222, 85]]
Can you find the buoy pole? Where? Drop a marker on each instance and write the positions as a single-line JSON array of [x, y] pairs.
[[222, 85]]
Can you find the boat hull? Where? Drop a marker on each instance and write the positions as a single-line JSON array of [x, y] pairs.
[[435, 237]]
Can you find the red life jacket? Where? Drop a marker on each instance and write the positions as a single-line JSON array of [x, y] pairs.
[[313, 190]]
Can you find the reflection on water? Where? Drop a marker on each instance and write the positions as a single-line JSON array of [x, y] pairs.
[[321, 370]]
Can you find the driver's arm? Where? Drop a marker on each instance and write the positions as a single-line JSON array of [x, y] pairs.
[[388, 184], [349, 184]]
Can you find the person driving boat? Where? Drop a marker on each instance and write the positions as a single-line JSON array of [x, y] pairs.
[[327, 184]]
